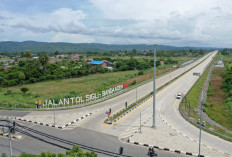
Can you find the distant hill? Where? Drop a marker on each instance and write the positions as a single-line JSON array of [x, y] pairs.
[[11, 46]]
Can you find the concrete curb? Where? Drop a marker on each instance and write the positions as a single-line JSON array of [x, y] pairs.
[[17, 137], [54, 126], [166, 149]]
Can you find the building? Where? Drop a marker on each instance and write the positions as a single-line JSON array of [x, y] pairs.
[[76, 57], [104, 64], [108, 64], [4, 67], [161, 62], [62, 56], [98, 63], [219, 64]]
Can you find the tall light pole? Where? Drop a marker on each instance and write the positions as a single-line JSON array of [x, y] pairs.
[[136, 88], [200, 122], [9, 133], [154, 90]]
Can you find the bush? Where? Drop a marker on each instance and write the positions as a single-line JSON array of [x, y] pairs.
[[9, 92], [24, 90], [3, 155], [133, 83], [140, 73], [37, 96]]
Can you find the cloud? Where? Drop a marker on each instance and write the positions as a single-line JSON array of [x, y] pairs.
[[72, 38], [180, 22], [195, 23], [61, 20]]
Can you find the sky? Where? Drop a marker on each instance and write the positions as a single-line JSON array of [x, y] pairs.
[[199, 23]]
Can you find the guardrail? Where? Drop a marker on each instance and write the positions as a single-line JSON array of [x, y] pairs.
[[189, 119]]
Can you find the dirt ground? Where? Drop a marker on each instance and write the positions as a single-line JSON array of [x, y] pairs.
[[216, 82]]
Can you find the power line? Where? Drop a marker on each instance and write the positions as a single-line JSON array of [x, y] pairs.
[[62, 141]]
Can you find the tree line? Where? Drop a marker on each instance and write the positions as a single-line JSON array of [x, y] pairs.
[[74, 152], [38, 70]]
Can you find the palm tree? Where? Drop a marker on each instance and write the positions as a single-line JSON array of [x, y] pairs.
[[28, 54], [43, 59]]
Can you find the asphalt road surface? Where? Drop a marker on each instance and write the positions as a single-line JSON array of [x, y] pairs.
[[93, 132], [78, 135]]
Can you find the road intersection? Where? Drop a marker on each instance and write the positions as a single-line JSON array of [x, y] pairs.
[[172, 130]]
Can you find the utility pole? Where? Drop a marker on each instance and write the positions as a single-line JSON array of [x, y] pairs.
[[9, 132], [154, 90], [202, 93]]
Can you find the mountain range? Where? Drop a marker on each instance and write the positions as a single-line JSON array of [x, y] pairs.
[[34, 46]]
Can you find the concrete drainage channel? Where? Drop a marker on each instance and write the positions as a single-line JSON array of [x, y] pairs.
[[55, 126]]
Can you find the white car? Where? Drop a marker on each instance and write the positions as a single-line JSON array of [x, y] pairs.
[[179, 96]]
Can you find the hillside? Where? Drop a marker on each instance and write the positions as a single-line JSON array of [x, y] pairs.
[[10, 46]]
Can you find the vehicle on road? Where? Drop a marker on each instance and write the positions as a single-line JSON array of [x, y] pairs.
[[179, 96]]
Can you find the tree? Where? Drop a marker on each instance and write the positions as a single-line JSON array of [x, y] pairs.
[[43, 59], [24, 90], [57, 53], [134, 51], [28, 54]]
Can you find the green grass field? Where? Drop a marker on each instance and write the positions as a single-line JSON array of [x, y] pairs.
[[61, 88], [76, 86], [71, 87]]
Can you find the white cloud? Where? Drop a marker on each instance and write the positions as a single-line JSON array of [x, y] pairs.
[[61, 20], [179, 23], [72, 38], [195, 23]]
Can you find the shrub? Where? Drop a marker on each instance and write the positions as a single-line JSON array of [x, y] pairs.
[[37, 96], [61, 155], [24, 90], [133, 83], [3, 155], [140, 73], [9, 92]]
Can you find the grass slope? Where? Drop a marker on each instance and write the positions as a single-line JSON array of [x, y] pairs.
[[72, 87]]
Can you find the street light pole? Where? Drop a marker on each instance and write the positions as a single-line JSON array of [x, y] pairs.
[[136, 91], [9, 133], [202, 93], [154, 90]]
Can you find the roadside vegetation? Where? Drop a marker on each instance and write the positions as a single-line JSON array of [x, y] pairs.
[[218, 105], [74, 152], [219, 101], [40, 70], [66, 88], [28, 79]]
